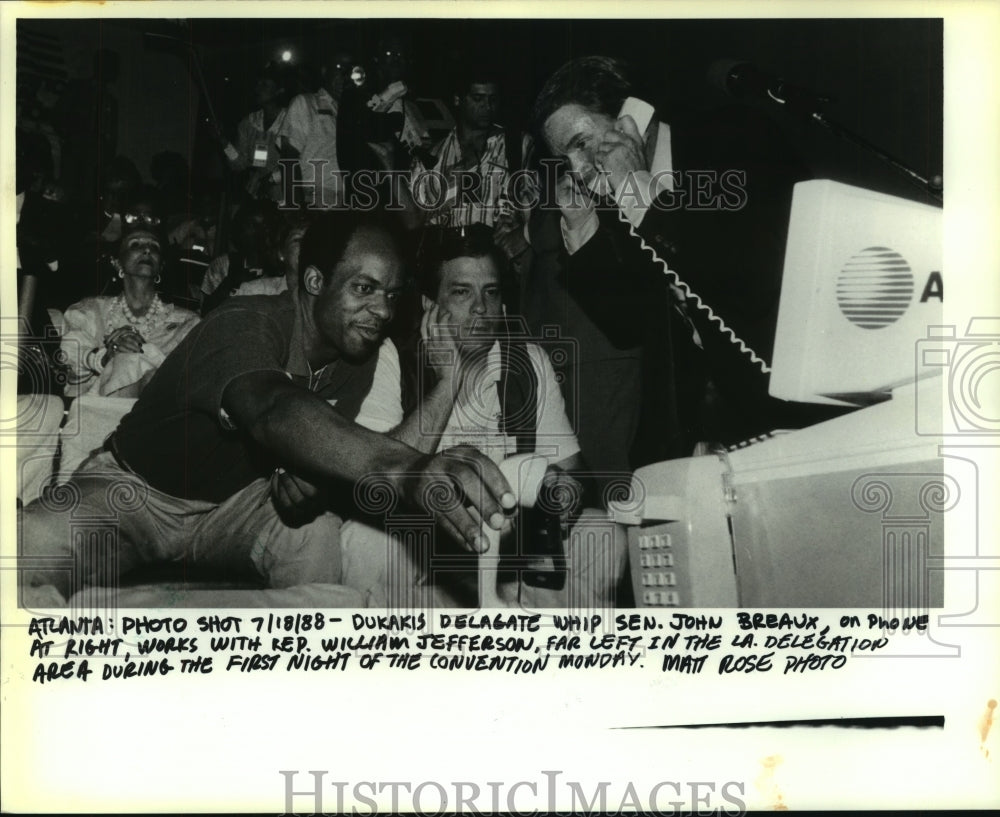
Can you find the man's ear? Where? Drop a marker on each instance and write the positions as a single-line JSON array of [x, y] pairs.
[[312, 280], [457, 100]]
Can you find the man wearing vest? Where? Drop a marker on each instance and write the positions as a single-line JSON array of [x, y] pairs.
[[481, 383], [501, 394], [229, 458]]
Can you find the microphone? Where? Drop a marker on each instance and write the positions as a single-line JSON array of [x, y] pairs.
[[740, 79]]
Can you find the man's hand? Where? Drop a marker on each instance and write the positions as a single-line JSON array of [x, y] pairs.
[[123, 339], [461, 487], [508, 234], [422, 428], [621, 152], [296, 500], [440, 335]]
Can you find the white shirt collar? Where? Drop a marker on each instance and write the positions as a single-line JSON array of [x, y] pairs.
[[491, 372], [663, 155]]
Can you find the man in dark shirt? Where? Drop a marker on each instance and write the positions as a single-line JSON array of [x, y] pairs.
[[226, 458]]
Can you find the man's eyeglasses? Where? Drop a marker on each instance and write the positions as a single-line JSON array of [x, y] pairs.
[[145, 219]]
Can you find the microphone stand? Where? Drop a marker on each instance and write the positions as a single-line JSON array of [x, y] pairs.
[[809, 105], [933, 187]]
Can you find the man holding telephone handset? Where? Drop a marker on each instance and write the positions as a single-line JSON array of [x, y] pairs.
[[706, 196]]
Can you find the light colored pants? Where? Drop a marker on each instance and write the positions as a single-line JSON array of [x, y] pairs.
[[107, 522], [399, 575]]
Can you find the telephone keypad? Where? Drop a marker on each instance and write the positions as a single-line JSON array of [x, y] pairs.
[[658, 568]]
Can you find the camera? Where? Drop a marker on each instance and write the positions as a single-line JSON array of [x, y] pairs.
[[970, 366]]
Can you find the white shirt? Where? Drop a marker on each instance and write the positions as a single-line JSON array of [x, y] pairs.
[[266, 285], [475, 419], [310, 127], [382, 409]]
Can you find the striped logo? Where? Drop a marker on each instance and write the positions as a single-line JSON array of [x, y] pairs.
[[875, 288]]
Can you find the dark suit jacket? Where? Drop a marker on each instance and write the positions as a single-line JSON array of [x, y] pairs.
[[722, 230]]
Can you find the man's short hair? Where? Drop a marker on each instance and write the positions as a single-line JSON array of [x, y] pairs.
[[329, 233], [473, 72], [597, 83], [443, 244]]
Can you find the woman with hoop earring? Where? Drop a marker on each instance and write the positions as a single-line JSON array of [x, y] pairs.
[[114, 343]]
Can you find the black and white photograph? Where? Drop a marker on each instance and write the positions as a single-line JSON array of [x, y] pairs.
[[585, 375]]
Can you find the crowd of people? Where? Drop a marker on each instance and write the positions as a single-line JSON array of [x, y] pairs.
[[383, 298]]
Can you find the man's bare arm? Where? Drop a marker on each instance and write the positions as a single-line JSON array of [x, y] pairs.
[[423, 428], [306, 434]]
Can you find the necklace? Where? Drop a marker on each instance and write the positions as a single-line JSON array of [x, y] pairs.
[[317, 374], [144, 325]]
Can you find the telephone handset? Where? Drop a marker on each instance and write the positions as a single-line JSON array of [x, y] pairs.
[[642, 113]]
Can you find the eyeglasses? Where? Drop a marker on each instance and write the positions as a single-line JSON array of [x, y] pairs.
[[132, 219]]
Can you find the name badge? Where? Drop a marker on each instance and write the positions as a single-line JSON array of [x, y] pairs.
[[260, 154]]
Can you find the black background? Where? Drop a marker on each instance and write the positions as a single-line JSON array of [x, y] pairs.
[[886, 74]]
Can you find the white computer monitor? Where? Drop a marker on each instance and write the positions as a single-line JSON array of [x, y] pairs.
[[861, 285]]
